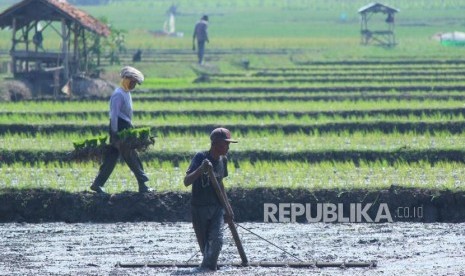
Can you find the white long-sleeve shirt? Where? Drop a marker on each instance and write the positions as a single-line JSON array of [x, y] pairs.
[[120, 107]]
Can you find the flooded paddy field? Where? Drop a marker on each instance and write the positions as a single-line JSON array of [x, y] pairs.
[[96, 248]]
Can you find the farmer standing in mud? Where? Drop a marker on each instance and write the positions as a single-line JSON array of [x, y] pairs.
[[208, 214], [200, 33], [120, 119]]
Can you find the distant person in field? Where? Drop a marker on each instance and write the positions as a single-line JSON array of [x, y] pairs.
[[120, 119], [201, 34], [137, 57], [208, 212], [38, 40]]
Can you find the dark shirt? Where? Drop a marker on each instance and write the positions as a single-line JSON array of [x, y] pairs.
[[37, 39], [202, 190], [200, 31]]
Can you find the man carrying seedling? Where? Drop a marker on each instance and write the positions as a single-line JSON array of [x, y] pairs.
[[120, 119], [200, 33], [208, 210]]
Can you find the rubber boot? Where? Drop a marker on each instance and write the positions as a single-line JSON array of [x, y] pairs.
[[144, 189]]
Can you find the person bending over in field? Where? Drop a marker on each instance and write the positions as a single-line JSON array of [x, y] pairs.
[[120, 119], [207, 210]]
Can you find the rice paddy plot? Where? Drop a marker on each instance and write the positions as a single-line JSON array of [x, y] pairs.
[[165, 177], [278, 106], [257, 141], [316, 125], [339, 78], [242, 117], [320, 97]]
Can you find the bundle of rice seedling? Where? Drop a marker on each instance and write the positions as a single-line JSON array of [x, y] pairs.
[[93, 149]]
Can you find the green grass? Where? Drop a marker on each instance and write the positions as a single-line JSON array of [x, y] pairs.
[[350, 85], [166, 82], [165, 177], [234, 106], [308, 24], [341, 79], [347, 176], [181, 119], [306, 31], [219, 94], [258, 141]]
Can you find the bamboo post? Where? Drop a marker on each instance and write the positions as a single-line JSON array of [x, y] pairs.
[[13, 48], [26, 42], [76, 58], [224, 201], [64, 49], [299, 265]]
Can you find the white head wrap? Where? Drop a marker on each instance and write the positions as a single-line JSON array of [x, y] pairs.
[[133, 73]]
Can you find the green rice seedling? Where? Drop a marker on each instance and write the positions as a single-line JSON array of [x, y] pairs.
[[144, 133], [253, 118], [79, 145], [92, 142], [103, 140], [238, 106], [343, 176], [137, 138], [262, 140]]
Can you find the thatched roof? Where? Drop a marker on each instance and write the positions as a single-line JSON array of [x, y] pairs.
[[377, 7], [50, 10]]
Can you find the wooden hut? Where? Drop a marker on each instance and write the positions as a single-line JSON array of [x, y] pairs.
[[28, 21], [384, 37]]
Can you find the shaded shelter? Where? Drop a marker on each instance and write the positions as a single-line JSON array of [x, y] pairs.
[[29, 20], [384, 37]]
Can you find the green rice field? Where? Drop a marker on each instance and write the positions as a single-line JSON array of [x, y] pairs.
[[304, 139], [314, 110]]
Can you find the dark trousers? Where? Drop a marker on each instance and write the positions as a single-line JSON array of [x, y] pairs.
[[208, 222], [129, 155], [200, 50]]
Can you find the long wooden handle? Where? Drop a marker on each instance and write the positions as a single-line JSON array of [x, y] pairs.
[[238, 242], [224, 201]]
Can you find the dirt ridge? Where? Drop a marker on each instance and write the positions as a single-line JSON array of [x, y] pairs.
[[37, 205]]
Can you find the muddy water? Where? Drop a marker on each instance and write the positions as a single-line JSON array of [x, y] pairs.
[[95, 249]]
